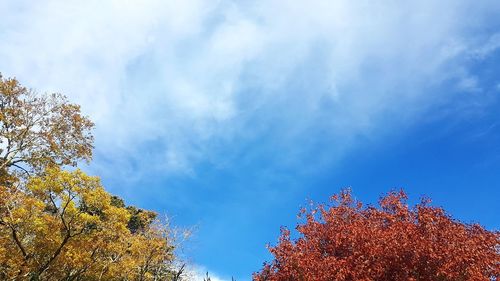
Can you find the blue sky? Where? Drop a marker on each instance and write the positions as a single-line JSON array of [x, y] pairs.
[[229, 115]]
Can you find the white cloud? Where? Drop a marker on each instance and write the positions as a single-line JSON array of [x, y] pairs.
[[171, 83]]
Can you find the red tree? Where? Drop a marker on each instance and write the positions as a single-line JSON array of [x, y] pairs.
[[346, 241]]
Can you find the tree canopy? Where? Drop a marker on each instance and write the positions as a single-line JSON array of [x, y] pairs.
[[57, 224], [344, 240]]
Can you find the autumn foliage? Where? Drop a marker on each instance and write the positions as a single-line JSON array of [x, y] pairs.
[[57, 224], [345, 240]]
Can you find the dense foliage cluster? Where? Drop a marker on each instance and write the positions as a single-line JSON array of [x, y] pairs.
[[346, 241], [62, 225]]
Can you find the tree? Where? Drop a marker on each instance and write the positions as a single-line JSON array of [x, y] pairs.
[[65, 227], [36, 131], [344, 240], [62, 225]]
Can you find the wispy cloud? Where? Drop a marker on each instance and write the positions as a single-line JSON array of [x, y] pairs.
[[171, 84]]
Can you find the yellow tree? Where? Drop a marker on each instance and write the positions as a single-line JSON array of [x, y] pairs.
[[63, 225], [58, 224]]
